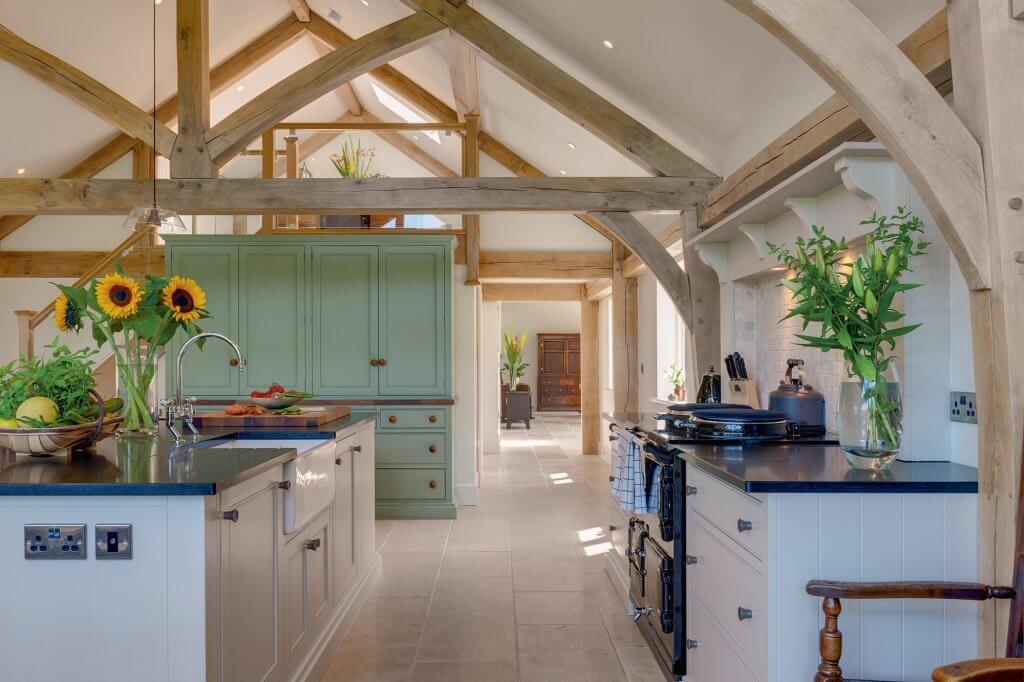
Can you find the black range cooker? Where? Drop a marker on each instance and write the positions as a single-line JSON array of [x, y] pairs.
[[657, 542]]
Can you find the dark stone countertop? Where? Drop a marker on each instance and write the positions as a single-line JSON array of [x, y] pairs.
[[159, 466], [806, 467]]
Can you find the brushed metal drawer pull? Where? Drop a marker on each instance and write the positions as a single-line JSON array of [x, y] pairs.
[[612, 528], [691, 490], [357, 448], [743, 525], [432, 448], [690, 560], [692, 644], [285, 485], [337, 461], [432, 419], [313, 544], [393, 419], [231, 516], [432, 485], [744, 614]]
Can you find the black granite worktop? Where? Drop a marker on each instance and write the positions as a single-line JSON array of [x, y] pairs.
[[159, 466], [805, 468]]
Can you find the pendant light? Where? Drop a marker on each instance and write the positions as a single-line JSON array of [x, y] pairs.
[[304, 171], [153, 217]]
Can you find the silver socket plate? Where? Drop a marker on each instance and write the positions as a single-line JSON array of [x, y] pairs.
[[56, 542], [113, 541]]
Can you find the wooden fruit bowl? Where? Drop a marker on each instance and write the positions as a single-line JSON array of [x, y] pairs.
[[52, 440]]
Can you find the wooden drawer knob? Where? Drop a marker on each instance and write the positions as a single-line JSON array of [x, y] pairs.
[[432, 485], [374, 362], [382, 362], [233, 362], [432, 448], [393, 419], [432, 419]]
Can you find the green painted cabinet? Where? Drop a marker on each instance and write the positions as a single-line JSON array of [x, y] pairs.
[[345, 320], [272, 316], [208, 372], [414, 320]]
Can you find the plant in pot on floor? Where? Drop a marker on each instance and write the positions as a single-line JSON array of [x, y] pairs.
[[136, 319], [512, 348], [353, 161], [853, 304]]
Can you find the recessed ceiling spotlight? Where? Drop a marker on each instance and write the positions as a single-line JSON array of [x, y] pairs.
[[608, 44], [334, 16], [562, 171], [365, 2], [21, 171], [416, 137], [571, 145], [240, 87], [157, 2]]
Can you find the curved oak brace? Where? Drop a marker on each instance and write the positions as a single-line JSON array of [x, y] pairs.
[[646, 246], [931, 144]]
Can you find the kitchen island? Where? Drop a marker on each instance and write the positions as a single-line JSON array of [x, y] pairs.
[[243, 556], [760, 520]]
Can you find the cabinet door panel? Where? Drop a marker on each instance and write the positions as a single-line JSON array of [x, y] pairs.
[[364, 494], [318, 575], [414, 320], [345, 323], [344, 514], [272, 316], [215, 268], [248, 589], [293, 575]]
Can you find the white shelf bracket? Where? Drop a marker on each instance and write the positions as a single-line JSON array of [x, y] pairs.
[[1017, 9], [871, 179], [716, 256], [758, 235], [805, 209]]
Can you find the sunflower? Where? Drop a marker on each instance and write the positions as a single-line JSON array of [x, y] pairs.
[[118, 296], [66, 315], [184, 298]]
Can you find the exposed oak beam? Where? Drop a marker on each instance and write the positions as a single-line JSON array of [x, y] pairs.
[[597, 289], [625, 337], [70, 264], [705, 327], [231, 135], [471, 223], [223, 76], [495, 291], [932, 146], [190, 158], [462, 65], [825, 128], [300, 9], [387, 195], [563, 92], [84, 89], [546, 264]]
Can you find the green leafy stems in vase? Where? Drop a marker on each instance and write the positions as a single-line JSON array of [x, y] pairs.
[[136, 319], [852, 300], [512, 348]]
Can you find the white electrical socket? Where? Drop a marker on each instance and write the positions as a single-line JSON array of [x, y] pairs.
[[963, 407]]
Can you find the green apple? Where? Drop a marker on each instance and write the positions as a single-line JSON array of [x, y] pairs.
[[39, 407]]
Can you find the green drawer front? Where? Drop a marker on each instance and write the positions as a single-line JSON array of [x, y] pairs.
[[410, 484], [425, 418], [411, 448]]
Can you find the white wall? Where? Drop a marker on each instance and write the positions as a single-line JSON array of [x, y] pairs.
[[604, 316], [464, 349], [556, 317], [647, 340], [490, 368]]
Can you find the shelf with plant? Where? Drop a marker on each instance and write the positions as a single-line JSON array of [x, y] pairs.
[[853, 302]]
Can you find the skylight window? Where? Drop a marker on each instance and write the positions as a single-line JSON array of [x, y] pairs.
[[403, 110]]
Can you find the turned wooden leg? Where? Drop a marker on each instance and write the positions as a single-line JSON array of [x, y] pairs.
[[830, 643]]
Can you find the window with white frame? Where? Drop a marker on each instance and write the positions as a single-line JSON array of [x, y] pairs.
[[671, 342]]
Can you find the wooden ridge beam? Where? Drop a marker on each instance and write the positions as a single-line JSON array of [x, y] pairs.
[[563, 92], [232, 134], [420, 98], [223, 76], [825, 128], [190, 157], [85, 90], [932, 146], [502, 291], [546, 264], [385, 195], [70, 264]]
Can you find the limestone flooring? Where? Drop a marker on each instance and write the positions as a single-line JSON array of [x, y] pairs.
[[512, 591]]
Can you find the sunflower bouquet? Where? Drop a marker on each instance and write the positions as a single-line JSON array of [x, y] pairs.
[[136, 319]]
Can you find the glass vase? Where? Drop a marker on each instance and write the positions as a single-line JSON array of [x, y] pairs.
[[136, 386], [870, 418]]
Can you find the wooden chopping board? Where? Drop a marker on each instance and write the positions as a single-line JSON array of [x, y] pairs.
[[311, 416]]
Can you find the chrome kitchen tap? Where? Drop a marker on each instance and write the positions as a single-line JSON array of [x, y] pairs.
[[183, 408]]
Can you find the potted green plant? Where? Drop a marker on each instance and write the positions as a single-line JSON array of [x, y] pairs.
[[852, 301], [512, 347], [352, 161], [674, 373]]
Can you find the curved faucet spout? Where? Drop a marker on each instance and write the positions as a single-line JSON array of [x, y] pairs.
[[181, 355]]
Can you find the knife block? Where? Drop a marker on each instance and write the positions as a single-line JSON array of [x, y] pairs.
[[742, 392]]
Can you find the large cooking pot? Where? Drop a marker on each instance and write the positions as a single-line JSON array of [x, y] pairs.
[[799, 401]]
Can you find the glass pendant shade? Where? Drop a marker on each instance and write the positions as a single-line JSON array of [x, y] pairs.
[[166, 222]]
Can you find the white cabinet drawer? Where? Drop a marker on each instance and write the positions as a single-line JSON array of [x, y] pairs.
[[712, 660], [725, 583], [740, 516]]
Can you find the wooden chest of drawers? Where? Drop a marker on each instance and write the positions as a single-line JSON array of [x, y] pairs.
[[558, 377]]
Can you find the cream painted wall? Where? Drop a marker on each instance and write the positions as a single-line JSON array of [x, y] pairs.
[[464, 341], [534, 318], [490, 367]]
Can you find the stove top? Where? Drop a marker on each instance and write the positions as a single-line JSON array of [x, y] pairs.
[[670, 437]]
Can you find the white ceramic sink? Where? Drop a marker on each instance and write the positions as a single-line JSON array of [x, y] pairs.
[[310, 476]]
